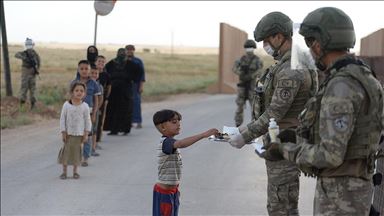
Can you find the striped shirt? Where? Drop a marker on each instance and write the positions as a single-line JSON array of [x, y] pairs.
[[169, 162]]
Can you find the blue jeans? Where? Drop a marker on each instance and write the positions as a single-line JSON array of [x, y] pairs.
[[87, 148]]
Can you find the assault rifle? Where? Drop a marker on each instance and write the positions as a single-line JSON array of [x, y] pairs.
[[32, 62]]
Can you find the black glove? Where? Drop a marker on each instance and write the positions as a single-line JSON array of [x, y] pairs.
[[272, 153], [287, 135]]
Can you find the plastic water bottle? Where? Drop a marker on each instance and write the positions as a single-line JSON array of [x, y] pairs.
[[273, 129]]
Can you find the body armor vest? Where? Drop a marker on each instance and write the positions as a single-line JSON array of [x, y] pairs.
[[266, 87], [364, 140]]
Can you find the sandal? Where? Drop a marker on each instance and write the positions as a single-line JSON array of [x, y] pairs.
[[63, 176], [76, 176], [84, 164]]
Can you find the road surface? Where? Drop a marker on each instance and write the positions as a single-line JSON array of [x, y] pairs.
[[217, 178]]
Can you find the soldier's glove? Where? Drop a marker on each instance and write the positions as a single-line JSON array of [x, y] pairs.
[[272, 153], [242, 128], [236, 141], [287, 135]]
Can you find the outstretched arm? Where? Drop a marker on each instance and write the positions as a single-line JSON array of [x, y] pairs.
[[183, 143]]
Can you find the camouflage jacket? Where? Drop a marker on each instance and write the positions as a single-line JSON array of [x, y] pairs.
[[248, 68], [285, 94], [29, 59], [340, 127]]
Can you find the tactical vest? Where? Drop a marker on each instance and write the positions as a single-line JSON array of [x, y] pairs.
[[247, 68], [265, 93], [364, 140]]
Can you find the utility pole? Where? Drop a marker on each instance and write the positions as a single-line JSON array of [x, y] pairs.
[[7, 69], [94, 41]]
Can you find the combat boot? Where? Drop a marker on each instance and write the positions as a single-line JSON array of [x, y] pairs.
[[33, 105]]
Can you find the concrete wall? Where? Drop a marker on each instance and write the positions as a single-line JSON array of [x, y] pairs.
[[372, 52], [231, 48], [373, 44]]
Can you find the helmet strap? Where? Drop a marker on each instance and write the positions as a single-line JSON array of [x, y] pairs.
[[276, 51]]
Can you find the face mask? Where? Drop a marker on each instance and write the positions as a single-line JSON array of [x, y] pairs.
[[269, 50], [28, 46], [249, 50]]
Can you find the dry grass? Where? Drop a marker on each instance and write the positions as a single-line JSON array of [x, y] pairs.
[[186, 70]]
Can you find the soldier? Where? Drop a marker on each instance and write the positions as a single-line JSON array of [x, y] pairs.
[[248, 70], [340, 127], [283, 94], [30, 68]]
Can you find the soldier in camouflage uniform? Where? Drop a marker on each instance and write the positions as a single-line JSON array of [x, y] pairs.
[[248, 70], [340, 127], [282, 94], [30, 66]]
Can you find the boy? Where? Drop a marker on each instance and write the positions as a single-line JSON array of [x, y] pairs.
[[105, 81], [91, 99], [166, 194], [95, 76]]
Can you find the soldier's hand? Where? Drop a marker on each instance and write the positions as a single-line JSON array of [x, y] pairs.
[[236, 141], [242, 128], [287, 135], [272, 153]]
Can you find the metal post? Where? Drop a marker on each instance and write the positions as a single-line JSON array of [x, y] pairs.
[[7, 69], [94, 41]]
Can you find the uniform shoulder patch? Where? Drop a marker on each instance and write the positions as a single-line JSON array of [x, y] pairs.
[[286, 83]]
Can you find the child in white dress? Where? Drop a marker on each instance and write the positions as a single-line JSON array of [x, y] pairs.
[[75, 124]]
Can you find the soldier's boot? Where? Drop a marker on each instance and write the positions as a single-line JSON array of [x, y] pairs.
[[33, 105]]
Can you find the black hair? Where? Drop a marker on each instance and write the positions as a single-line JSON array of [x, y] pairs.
[[130, 46], [165, 115], [77, 83], [83, 62]]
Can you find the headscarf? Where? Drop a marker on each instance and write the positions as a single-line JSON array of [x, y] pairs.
[[91, 56], [121, 56]]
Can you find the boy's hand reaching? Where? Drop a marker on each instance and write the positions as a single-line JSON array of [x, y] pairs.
[[212, 131]]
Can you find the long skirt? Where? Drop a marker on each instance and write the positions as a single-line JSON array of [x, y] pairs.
[[70, 153]]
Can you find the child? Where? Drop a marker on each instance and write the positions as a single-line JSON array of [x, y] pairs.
[[105, 81], [91, 99], [166, 194], [95, 76], [75, 124]]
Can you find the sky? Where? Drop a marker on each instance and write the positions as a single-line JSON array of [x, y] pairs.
[[183, 23]]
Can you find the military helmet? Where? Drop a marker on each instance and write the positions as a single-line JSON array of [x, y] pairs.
[[271, 24], [250, 44], [331, 27], [29, 42]]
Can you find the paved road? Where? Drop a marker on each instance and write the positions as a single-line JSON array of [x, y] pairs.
[[217, 179]]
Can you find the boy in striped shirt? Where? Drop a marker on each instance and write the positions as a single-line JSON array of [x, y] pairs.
[[165, 192]]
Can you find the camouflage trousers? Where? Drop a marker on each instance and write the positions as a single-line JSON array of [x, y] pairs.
[[342, 196], [28, 82], [283, 188], [242, 96]]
